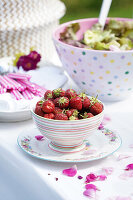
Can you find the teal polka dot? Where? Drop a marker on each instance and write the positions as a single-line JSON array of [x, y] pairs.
[[129, 89], [83, 52], [83, 83], [109, 94], [75, 71], [127, 72], [109, 82]]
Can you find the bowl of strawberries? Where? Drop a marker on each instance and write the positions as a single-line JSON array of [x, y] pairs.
[[67, 118]]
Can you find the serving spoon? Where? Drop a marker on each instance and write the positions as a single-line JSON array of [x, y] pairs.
[[104, 12]]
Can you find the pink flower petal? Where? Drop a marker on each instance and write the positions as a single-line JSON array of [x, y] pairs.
[[122, 198], [130, 145], [107, 170], [122, 156], [71, 171], [119, 198], [91, 186], [106, 120], [39, 137], [90, 193], [126, 175], [129, 167], [101, 177], [80, 177], [90, 178]]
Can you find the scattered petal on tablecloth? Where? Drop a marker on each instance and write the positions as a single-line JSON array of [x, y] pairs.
[[123, 156], [119, 198], [106, 120], [71, 171], [101, 178], [107, 170], [90, 193], [92, 177], [130, 145], [126, 175], [80, 177], [91, 186], [39, 137], [129, 167]]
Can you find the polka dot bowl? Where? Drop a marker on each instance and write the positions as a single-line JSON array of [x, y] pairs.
[[108, 74]]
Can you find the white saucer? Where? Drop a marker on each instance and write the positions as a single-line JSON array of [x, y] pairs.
[[48, 75], [99, 145]]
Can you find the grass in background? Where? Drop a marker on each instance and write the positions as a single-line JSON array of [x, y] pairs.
[[91, 8]]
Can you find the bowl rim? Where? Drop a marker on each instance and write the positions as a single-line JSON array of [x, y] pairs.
[[84, 49], [66, 121]]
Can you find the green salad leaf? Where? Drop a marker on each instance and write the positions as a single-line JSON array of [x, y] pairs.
[[116, 33]]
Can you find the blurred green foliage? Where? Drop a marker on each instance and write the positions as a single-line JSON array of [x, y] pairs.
[[77, 9]]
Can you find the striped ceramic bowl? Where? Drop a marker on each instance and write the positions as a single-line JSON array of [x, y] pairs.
[[69, 133]]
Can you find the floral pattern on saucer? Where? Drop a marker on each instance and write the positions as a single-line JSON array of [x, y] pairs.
[[107, 143]]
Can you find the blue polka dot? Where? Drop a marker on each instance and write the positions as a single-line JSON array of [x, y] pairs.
[[79, 60], [93, 81], [94, 58], [115, 76], [82, 70], [101, 67], [122, 57]]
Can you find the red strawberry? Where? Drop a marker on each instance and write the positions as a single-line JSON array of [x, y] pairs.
[[48, 94], [72, 112], [49, 116], [86, 103], [48, 106], [62, 102], [75, 112], [76, 103], [38, 111], [56, 101], [70, 93], [83, 96], [39, 103], [58, 93], [68, 113], [61, 116], [87, 115], [73, 118], [96, 108], [57, 110]]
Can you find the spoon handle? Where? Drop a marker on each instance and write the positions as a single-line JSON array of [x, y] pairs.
[[104, 12]]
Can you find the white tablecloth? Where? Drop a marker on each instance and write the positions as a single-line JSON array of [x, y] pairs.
[[26, 178]]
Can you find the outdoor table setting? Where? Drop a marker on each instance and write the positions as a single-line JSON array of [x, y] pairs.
[[34, 178], [66, 113]]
